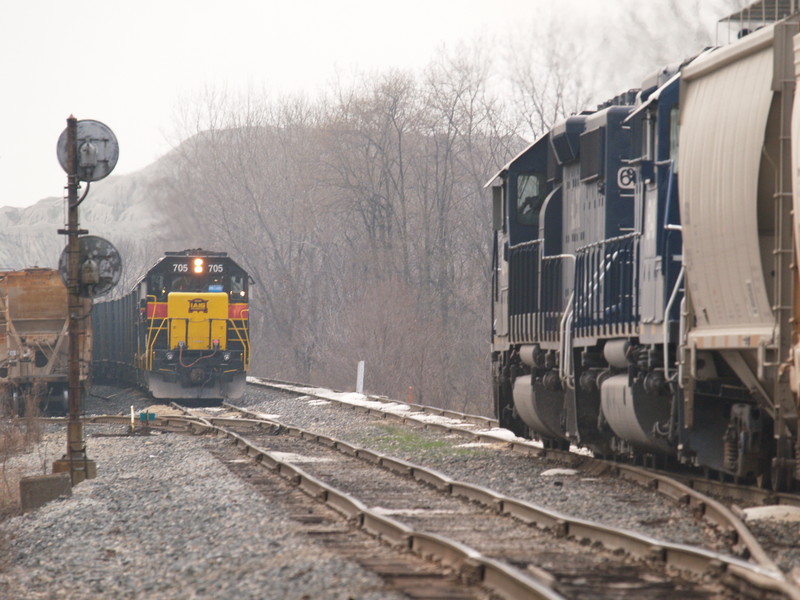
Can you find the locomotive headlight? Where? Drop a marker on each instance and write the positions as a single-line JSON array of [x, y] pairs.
[[226, 356], [169, 355], [198, 265]]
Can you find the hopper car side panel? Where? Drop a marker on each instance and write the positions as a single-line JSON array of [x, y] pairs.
[[34, 345]]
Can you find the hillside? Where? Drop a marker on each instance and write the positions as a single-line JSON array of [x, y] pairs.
[[123, 209]]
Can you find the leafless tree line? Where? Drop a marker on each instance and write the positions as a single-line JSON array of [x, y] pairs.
[[362, 215]]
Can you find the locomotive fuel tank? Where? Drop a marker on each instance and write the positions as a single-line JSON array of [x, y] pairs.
[[634, 413], [539, 407]]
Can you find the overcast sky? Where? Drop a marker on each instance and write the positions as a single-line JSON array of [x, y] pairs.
[[129, 64]]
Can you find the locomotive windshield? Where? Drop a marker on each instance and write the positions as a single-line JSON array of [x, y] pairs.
[[530, 196], [195, 275]]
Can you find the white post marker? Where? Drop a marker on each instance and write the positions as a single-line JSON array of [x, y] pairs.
[[360, 378]]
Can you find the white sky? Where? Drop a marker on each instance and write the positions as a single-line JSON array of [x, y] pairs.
[[130, 64]]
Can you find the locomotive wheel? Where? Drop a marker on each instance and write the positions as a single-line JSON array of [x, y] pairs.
[[555, 444], [781, 474], [505, 412]]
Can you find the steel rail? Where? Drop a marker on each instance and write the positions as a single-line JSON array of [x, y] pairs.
[[504, 580], [749, 494], [443, 412], [711, 510], [700, 485]]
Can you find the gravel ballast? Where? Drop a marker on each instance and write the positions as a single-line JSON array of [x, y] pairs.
[[165, 519]]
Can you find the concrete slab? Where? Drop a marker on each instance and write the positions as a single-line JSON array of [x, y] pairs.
[[778, 512], [86, 469], [38, 490]]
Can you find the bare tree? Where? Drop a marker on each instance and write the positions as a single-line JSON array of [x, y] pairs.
[[551, 73], [362, 216]]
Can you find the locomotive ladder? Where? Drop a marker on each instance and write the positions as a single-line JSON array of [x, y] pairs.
[[785, 409], [242, 335], [785, 412]]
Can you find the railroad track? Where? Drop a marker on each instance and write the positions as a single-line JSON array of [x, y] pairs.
[[450, 422], [486, 428], [701, 496], [685, 491], [477, 532]]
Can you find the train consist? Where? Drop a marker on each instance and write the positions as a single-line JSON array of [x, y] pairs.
[[34, 348], [645, 284], [182, 332]]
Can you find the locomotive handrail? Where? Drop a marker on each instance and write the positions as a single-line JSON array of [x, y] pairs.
[[525, 244], [667, 310], [163, 325], [565, 325], [565, 366], [151, 340], [619, 238], [245, 341], [605, 285], [558, 256]]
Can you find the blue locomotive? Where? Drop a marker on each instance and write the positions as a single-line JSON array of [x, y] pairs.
[[644, 293]]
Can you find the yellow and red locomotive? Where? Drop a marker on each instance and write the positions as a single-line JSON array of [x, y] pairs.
[[182, 332]]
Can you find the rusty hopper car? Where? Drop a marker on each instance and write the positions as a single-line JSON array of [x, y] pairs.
[[33, 336], [182, 331]]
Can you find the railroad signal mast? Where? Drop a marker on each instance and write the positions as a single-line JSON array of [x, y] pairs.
[[90, 266]]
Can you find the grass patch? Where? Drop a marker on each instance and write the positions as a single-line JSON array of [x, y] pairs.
[[407, 441]]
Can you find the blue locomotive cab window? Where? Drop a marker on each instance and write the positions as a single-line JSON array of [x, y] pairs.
[[531, 193]]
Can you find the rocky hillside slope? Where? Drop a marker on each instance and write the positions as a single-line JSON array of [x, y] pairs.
[[124, 209]]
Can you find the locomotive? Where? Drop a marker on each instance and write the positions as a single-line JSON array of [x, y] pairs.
[[182, 332], [645, 297]]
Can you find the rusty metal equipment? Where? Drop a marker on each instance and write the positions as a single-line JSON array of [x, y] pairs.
[[33, 338], [88, 151]]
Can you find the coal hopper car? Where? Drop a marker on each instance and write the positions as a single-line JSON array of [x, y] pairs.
[[34, 345]]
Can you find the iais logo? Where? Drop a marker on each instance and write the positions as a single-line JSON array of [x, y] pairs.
[[198, 305]]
